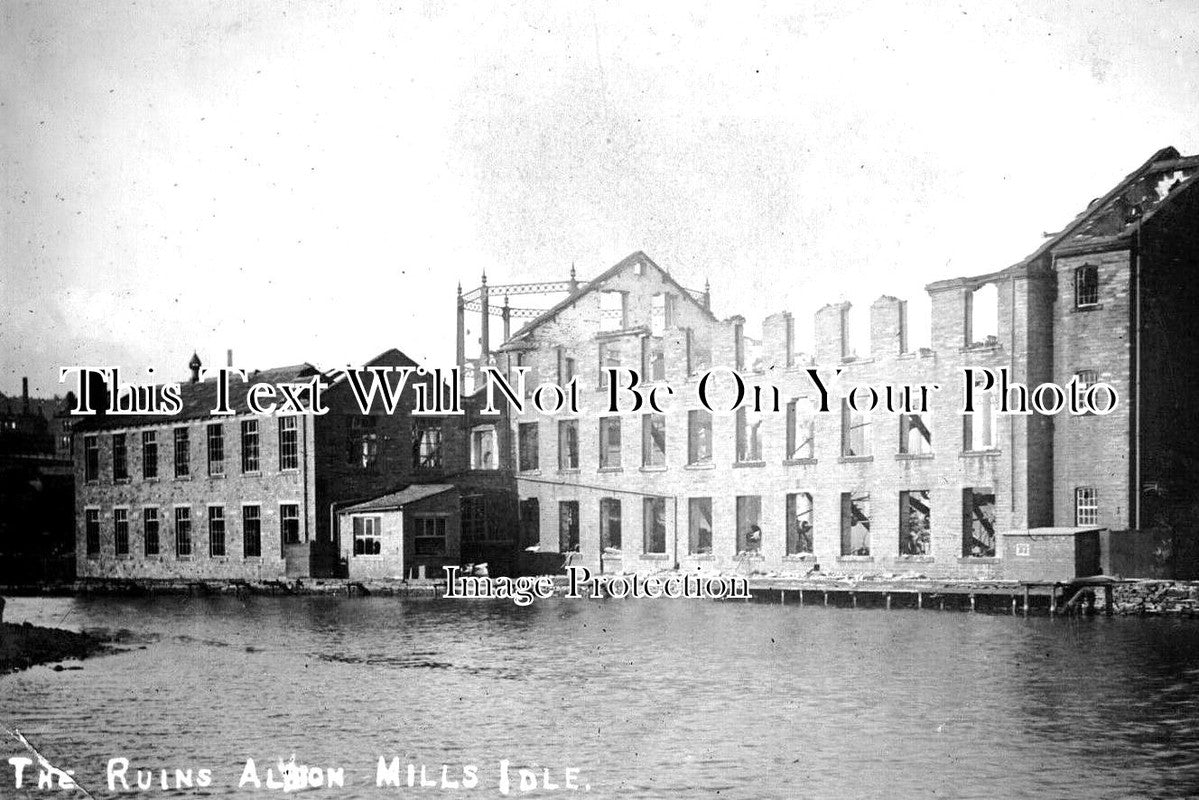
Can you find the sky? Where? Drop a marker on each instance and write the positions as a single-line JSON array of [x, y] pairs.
[[310, 181]]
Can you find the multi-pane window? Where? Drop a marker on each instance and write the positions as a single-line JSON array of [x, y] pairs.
[[568, 526], [183, 532], [529, 444], [149, 454], [120, 458], [216, 449], [915, 435], [609, 523], [699, 437], [429, 535], [749, 524], [368, 540], [1086, 378], [91, 458], [979, 425], [251, 531], [120, 531], [289, 443], [654, 522], [799, 523], [426, 445], [483, 451], [568, 444], [91, 530], [855, 524], [801, 429], [699, 525], [182, 453], [653, 440], [216, 531], [978, 522], [855, 431], [1086, 286], [915, 537], [749, 435], [609, 444], [1086, 506], [362, 442], [289, 523], [249, 446], [150, 530]]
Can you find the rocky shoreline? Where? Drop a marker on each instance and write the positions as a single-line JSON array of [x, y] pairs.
[[26, 645]]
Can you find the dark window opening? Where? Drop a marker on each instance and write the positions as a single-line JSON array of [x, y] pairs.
[[655, 524], [914, 524], [799, 524], [749, 524], [855, 524], [978, 523]]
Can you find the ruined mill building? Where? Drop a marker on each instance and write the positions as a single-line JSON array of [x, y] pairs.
[[944, 493]]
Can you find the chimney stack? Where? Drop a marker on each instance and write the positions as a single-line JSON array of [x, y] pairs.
[[229, 358], [25, 395]]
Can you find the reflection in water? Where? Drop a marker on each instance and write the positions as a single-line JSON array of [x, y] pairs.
[[647, 698]]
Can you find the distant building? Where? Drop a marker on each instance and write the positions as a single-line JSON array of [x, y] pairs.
[[196, 496], [36, 490], [1106, 299]]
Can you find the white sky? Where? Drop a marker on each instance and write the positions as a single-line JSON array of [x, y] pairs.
[[309, 181]]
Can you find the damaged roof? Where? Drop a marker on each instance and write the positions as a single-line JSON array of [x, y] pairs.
[[397, 500], [595, 284]]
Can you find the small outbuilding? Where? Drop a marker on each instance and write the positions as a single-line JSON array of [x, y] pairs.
[[411, 533], [1048, 555]]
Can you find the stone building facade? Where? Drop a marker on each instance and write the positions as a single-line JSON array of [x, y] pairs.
[[1101, 301], [249, 496]]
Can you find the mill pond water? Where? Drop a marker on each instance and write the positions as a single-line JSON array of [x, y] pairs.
[[648, 698]]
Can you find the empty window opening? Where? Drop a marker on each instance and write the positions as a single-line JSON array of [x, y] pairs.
[[915, 538], [982, 316], [662, 313], [653, 359], [529, 445], [749, 436], [699, 353], [1086, 286], [699, 525], [483, 453], [653, 440], [855, 524], [609, 431], [915, 435], [1086, 506], [368, 540], [612, 311], [749, 524], [699, 437], [568, 444], [855, 431], [610, 525], [654, 521], [978, 523], [801, 429], [799, 524], [568, 526], [979, 432], [609, 358]]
